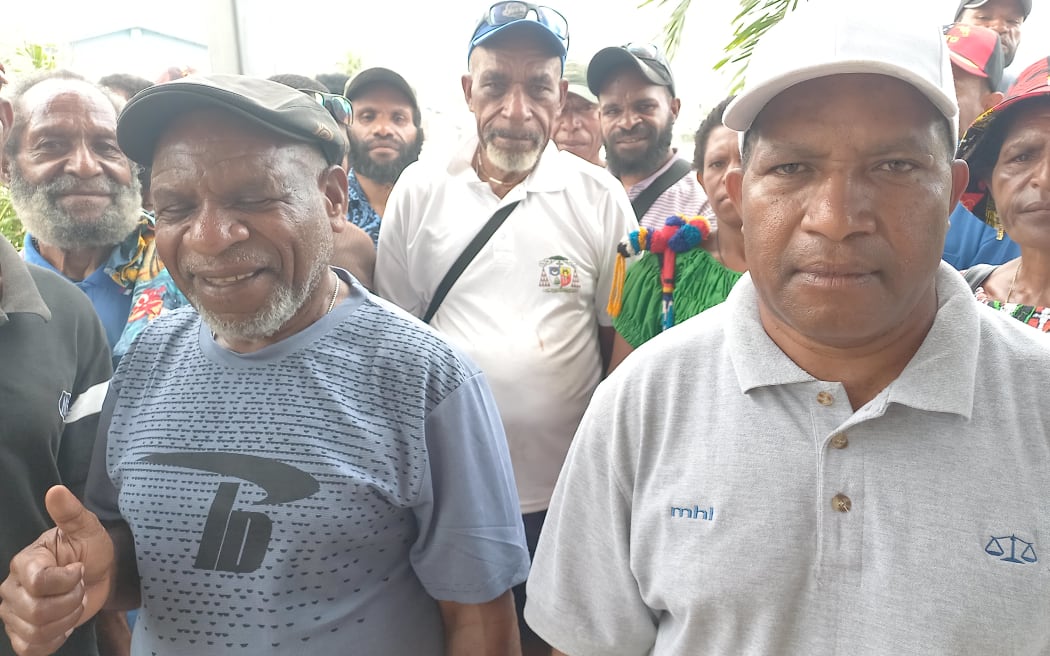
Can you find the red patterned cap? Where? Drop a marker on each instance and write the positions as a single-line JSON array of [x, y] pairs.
[[976, 50]]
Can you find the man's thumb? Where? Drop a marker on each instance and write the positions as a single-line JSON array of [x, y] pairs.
[[69, 514]]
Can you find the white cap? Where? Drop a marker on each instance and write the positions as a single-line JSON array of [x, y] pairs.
[[832, 37]]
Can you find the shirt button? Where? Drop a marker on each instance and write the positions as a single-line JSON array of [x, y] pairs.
[[841, 503], [839, 441], [825, 398]]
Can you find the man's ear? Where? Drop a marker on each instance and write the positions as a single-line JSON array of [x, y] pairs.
[[960, 178], [700, 179], [676, 106], [734, 182], [467, 81], [333, 184]]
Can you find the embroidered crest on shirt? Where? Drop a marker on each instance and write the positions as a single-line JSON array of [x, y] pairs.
[[559, 274]]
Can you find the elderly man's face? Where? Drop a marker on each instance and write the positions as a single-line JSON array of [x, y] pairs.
[[515, 91], [244, 224], [578, 130], [1005, 17], [383, 138], [845, 201], [1020, 181], [70, 183]]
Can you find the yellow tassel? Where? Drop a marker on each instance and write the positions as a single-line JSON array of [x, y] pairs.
[[616, 291]]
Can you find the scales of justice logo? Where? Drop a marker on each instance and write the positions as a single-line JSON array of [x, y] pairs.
[[1005, 548]]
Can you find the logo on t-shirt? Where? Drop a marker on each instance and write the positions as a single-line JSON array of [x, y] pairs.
[[559, 274], [1011, 549], [237, 540], [63, 404]]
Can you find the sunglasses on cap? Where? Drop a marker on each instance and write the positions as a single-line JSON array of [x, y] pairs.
[[646, 51], [338, 106], [503, 13]]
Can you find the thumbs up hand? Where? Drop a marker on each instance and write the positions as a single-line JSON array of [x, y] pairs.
[[59, 581]]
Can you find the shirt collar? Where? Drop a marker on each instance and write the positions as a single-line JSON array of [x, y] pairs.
[[641, 185], [940, 377], [18, 292]]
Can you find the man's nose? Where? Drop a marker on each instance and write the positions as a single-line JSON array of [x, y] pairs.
[[839, 208], [83, 162], [516, 106], [215, 229]]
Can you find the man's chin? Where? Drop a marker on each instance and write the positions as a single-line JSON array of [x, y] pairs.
[[85, 209], [514, 161]]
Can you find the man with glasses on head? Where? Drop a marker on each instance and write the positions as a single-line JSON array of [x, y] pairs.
[[529, 307], [637, 108]]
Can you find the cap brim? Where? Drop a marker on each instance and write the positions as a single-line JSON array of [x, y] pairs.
[[147, 115], [609, 59], [966, 65], [741, 113], [583, 92]]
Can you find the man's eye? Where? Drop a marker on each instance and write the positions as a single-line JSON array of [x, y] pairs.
[[898, 166], [790, 168]]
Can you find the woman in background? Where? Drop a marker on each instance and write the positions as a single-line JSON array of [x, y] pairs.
[[1008, 150], [685, 267]]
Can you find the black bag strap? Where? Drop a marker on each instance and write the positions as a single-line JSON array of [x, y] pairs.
[[466, 257], [645, 200]]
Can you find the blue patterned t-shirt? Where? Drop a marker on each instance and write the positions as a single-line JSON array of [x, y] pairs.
[[319, 494]]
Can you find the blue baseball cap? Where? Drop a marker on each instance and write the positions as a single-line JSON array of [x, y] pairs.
[[546, 23]]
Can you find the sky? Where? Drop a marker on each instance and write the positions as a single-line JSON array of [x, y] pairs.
[[424, 41]]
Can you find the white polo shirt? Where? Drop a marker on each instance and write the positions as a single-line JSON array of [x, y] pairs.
[[702, 508], [528, 307]]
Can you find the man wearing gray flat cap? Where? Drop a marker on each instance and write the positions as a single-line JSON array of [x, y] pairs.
[[275, 504]]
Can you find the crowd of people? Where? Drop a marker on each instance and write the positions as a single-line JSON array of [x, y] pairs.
[[564, 390]]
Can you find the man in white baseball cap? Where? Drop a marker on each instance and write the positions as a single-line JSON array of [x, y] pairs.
[[812, 467]]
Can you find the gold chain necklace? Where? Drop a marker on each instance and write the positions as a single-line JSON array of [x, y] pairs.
[[335, 293], [1010, 292]]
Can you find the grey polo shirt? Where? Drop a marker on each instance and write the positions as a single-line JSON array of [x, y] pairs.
[[719, 500]]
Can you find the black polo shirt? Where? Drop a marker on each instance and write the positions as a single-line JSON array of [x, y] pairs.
[[54, 366]]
